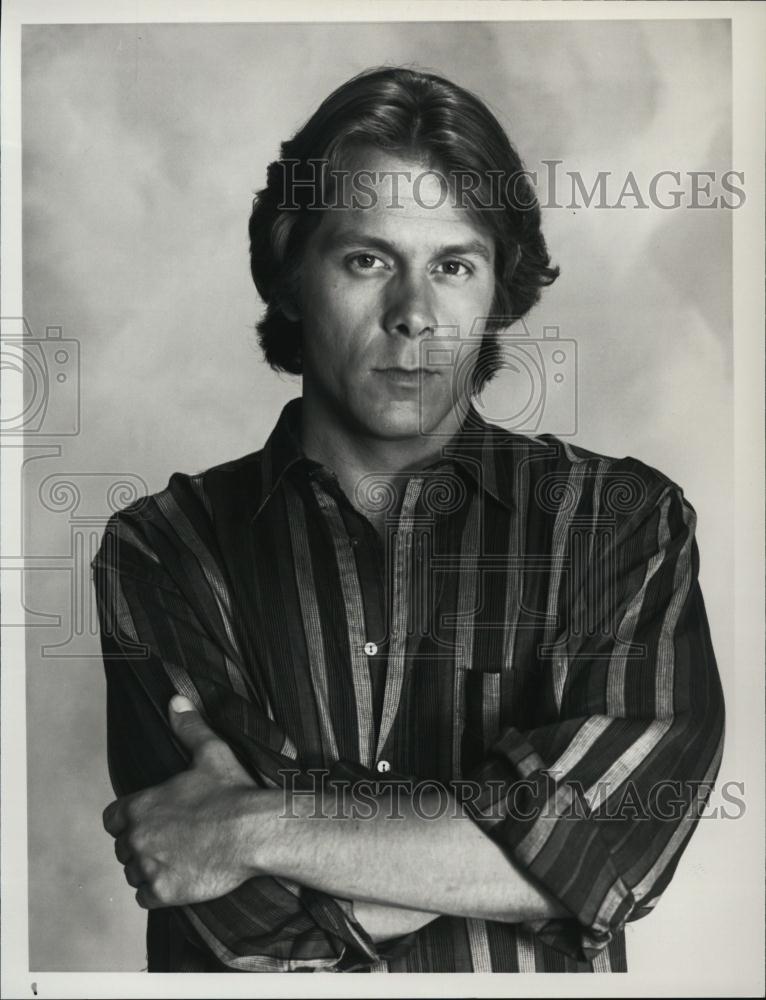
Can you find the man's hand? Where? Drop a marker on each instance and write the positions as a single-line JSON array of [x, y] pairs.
[[204, 832], [182, 841]]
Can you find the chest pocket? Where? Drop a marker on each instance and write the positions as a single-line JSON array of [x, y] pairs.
[[495, 700]]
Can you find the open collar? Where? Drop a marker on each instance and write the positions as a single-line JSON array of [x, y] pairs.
[[482, 449]]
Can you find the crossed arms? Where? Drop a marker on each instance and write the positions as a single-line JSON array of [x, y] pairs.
[[264, 892], [204, 832]]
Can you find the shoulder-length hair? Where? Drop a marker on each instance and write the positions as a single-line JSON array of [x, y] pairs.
[[409, 112]]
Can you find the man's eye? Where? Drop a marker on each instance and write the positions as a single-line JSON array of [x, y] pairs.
[[366, 262], [455, 268]]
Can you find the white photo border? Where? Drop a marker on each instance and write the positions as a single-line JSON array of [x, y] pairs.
[[742, 974]]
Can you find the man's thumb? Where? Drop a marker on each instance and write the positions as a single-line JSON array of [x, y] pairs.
[[187, 723]]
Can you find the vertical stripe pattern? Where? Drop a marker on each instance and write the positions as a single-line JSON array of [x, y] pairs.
[[531, 622]]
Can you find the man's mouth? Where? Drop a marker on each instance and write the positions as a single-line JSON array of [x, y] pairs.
[[406, 377]]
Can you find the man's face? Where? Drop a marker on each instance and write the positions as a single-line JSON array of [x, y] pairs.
[[375, 283]]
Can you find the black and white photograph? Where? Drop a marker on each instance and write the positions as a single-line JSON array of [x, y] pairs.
[[382, 498]]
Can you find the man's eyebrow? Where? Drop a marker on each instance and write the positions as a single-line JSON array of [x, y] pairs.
[[354, 237], [473, 247]]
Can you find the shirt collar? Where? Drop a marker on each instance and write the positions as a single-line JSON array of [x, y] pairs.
[[482, 449]]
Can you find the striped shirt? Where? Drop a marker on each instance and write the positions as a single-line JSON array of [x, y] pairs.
[[527, 628]]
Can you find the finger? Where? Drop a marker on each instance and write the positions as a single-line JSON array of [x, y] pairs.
[[134, 875], [122, 851], [146, 899], [113, 817], [188, 725]]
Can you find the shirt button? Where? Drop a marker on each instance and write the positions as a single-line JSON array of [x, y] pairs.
[[383, 766], [354, 541], [370, 648]]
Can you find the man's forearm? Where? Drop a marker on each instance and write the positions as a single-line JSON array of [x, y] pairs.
[[444, 865], [383, 921], [208, 829]]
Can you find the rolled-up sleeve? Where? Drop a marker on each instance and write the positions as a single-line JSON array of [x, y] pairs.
[[165, 628], [599, 798]]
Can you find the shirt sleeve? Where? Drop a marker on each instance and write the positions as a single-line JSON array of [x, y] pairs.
[[599, 797], [166, 627]]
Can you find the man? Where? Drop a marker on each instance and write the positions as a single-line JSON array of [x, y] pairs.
[[403, 691]]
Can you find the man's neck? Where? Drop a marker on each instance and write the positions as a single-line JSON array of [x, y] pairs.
[[354, 456]]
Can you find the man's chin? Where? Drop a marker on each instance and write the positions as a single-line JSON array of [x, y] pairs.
[[401, 422]]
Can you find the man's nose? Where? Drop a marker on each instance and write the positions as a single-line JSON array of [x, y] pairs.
[[410, 308]]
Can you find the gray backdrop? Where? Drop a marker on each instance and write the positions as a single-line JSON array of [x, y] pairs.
[[143, 146]]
